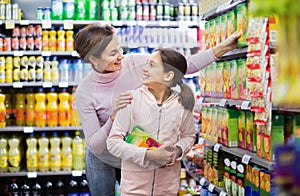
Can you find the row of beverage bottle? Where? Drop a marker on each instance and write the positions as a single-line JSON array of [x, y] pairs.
[[45, 186], [43, 153], [9, 11], [45, 69], [40, 108]]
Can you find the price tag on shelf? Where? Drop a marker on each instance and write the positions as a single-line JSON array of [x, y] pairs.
[[63, 84], [217, 147], [18, 53], [223, 102], [10, 24], [245, 105], [68, 24], [46, 24], [17, 84], [211, 187], [31, 174], [117, 23], [28, 129], [46, 53], [246, 158], [201, 140], [202, 181], [76, 173], [222, 193], [47, 84], [24, 22], [75, 54]]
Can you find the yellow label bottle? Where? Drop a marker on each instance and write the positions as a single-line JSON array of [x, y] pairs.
[[64, 108], [40, 108], [14, 155], [3, 155], [31, 154], [66, 153], [30, 113], [52, 115], [77, 148], [2, 111], [43, 153], [55, 156], [20, 109]]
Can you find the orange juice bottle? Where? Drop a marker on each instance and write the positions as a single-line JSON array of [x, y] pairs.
[[52, 40], [69, 40], [20, 109], [64, 108], [75, 121], [52, 115], [40, 108], [45, 40], [2, 111], [61, 39], [29, 119]]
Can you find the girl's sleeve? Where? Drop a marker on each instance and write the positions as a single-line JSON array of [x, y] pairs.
[[200, 60], [187, 133], [116, 144]]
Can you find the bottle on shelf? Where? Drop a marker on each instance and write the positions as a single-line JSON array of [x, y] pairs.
[[72, 187], [14, 154], [30, 107], [43, 153], [84, 187], [92, 10], [77, 149], [32, 154], [40, 108], [66, 152], [63, 70], [75, 120], [69, 40], [47, 70], [57, 9], [39, 68], [80, 9], [3, 154], [55, 153], [31, 69], [78, 70], [54, 70], [16, 69], [25, 189], [2, 110], [45, 40], [51, 108], [64, 108], [14, 188], [9, 111], [61, 39], [24, 69], [20, 109], [52, 40], [36, 189]]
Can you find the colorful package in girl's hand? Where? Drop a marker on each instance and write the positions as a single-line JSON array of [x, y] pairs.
[[139, 137]]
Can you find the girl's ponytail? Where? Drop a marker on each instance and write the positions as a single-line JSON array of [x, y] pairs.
[[186, 97]]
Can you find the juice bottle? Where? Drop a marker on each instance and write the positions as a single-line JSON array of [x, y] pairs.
[[77, 149], [2, 110], [52, 115], [39, 69], [83, 147], [47, 70], [24, 69], [66, 152], [61, 39], [92, 10], [9, 69], [75, 121], [43, 153], [45, 40], [64, 108], [3, 155], [55, 156], [16, 69], [9, 111], [52, 40], [29, 119], [69, 40], [40, 108], [14, 155], [80, 9], [20, 109], [31, 154], [54, 70], [57, 9]]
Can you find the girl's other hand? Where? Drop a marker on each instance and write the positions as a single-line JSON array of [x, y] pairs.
[[162, 155]]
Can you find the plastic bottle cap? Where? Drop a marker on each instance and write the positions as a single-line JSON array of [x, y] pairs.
[[54, 133], [66, 133], [43, 134]]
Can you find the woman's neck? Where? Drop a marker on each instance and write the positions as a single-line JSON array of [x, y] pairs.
[[160, 94]]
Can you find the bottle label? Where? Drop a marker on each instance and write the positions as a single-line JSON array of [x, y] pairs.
[[55, 160], [67, 160], [78, 149], [2, 116], [29, 115], [32, 161], [3, 161], [63, 117], [20, 114], [40, 116], [52, 117], [44, 161], [14, 161]]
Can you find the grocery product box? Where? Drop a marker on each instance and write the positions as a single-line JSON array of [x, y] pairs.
[[223, 27], [242, 23], [214, 124], [267, 186], [241, 175], [233, 80], [226, 79], [231, 22], [219, 83], [248, 180], [260, 145], [242, 79], [241, 129], [255, 181], [233, 176], [218, 168], [227, 181], [204, 122], [230, 130]]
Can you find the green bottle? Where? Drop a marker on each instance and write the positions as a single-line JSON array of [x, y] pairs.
[[80, 10], [92, 10]]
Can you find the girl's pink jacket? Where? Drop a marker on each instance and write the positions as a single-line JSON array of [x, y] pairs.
[[170, 123]]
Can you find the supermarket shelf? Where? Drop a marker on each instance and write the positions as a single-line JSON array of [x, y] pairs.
[[33, 129], [241, 152], [236, 53], [37, 174], [39, 53], [244, 104], [211, 186], [286, 109], [38, 84]]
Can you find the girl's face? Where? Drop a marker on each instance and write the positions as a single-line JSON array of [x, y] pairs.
[[153, 73], [110, 59]]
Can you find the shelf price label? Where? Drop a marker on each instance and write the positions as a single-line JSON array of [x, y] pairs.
[[117, 23], [211, 187], [10, 24], [31, 175], [24, 22], [246, 159], [223, 102], [63, 84], [17, 84], [28, 129], [46, 53], [142, 23], [217, 147], [245, 105], [76, 173], [75, 54], [47, 84], [222, 193], [68, 24], [46, 24], [202, 181], [18, 53], [131, 23]]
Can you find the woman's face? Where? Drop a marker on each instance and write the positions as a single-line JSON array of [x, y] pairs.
[[110, 59]]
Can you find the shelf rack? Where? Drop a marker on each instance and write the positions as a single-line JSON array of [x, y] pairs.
[[38, 84], [38, 174], [212, 187], [243, 104], [38, 129]]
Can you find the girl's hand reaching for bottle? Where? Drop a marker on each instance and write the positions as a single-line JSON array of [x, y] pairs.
[[122, 101]]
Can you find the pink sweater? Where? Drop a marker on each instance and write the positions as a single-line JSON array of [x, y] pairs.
[[96, 93]]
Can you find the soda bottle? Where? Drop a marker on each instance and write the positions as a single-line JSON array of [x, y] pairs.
[[2, 110], [77, 148], [14, 155], [64, 108], [55, 156], [54, 70], [40, 108], [75, 120], [66, 152], [25, 189], [84, 187], [29, 118], [48, 188], [9, 110], [3, 155], [43, 153], [92, 10], [52, 115], [20, 109], [61, 39], [52, 42], [72, 188], [117, 188], [36, 189], [47, 70], [69, 40], [32, 154], [14, 188], [80, 9], [57, 9], [59, 188]]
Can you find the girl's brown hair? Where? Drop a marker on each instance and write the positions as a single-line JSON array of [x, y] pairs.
[[92, 40], [176, 62]]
